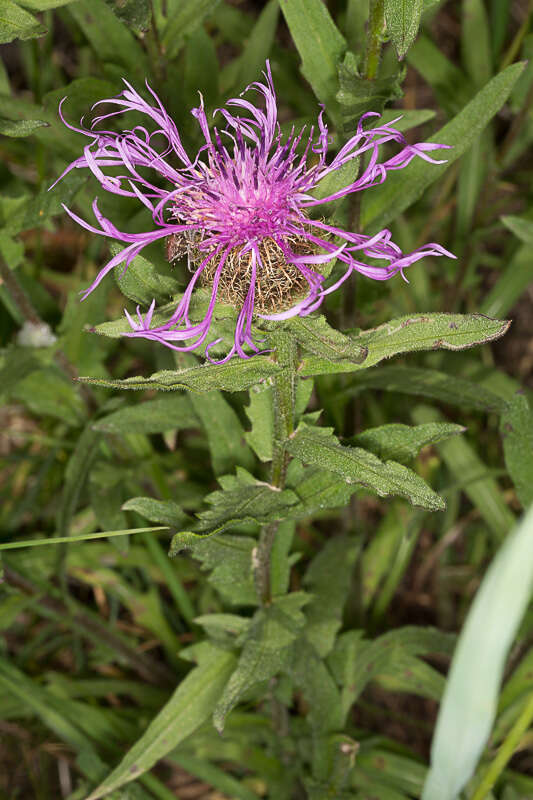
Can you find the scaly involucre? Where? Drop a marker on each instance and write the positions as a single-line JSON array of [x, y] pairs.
[[240, 209]]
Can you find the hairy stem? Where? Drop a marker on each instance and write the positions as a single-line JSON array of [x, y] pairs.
[[374, 39], [283, 391]]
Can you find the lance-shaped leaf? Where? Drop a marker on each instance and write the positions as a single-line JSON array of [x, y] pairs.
[[234, 376], [167, 512], [355, 465], [135, 14], [154, 416], [143, 281], [403, 20], [319, 42], [190, 705], [517, 435], [242, 499], [16, 23], [229, 562], [430, 383], [24, 127], [409, 334], [357, 95], [315, 335], [403, 442], [400, 190], [267, 650]]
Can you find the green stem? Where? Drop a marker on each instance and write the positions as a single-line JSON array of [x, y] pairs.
[[374, 39], [283, 391], [506, 751]]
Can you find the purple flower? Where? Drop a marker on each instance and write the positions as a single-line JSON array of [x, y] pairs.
[[240, 209]]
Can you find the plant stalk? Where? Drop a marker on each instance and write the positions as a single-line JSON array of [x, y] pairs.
[[374, 39], [505, 752], [283, 411]]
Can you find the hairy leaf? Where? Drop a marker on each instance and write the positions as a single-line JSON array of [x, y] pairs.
[[355, 465], [402, 442], [517, 434]]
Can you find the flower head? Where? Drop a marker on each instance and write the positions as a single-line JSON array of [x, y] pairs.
[[240, 210]]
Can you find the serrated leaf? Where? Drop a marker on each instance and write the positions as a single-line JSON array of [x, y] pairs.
[[16, 23], [357, 95], [229, 559], [401, 189], [234, 376], [267, 650], [403, 442], [243, 499], [517, 435], [355, 465], [403, 20], [189, 15], [411, 334], [153, 416], [315, 335], [430, 383], [190, 705], [142, 282], [22, 128], [320, 490], [319, 43], [167, 512]]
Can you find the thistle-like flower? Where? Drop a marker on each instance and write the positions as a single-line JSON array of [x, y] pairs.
[[240, 210]]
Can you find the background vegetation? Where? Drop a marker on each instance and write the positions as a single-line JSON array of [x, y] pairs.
[[97, 634]]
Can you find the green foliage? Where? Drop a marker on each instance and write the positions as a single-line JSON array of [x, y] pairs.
[[318, 447], [320, 608]]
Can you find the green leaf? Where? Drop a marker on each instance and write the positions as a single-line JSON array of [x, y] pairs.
[[260, 412], [316, 336], [17, 364], [43, 5], [431, 383], [355, 465], [328, 579], [520, 226], [234, 376], [185, 19], [167, 512], [25, 127], [48, 392], [85, 537], [37, 209], [258, 45], [475, 27], [319, 43], [319, 490], [357, 95], [136, 14], [410, 334], [402, 188], [15, 23], [403, 20], [470, 471], [190, 705], [514, 280], [517, 434], [267, 650], [45, 704], [402, 442], [153, 416], [451, 86], [242, 499], [111, 41], [355, 662], [229, 559], [470, 699], [142, 282], [76, 472], [225, 434]]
